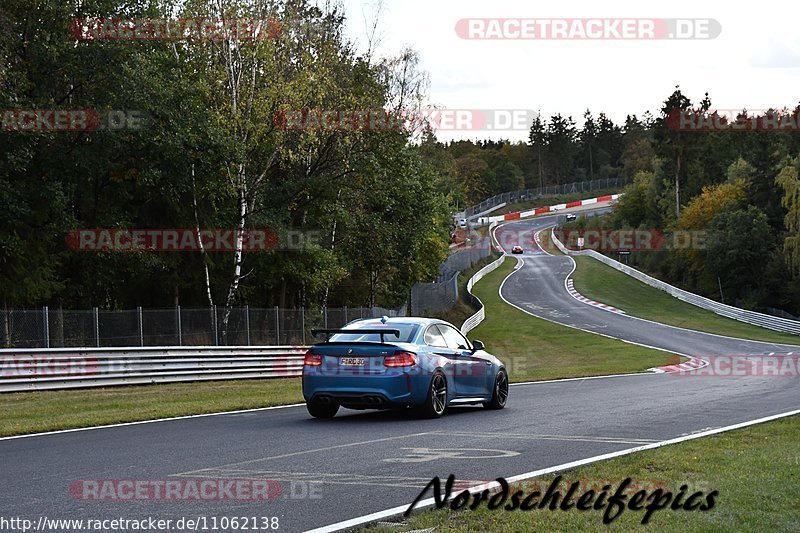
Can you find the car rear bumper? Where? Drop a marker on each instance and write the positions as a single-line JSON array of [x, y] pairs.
[[365, 392]]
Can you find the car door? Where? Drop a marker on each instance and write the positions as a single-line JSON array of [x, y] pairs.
[[433, 338], [471, 372]]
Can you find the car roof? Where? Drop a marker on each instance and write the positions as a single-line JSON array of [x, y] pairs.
[[403, 320]]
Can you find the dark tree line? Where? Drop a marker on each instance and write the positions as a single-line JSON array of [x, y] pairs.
[[737, 192], [211, 156]]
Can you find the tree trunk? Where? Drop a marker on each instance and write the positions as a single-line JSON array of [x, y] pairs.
[[238, 252], [200, 242], [6, 329], [678, 187]]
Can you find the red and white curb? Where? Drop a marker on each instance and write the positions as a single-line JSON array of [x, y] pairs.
[[692, 364], [578, 296], [554, 208]]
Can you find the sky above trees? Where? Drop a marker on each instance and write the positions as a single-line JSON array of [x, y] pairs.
[[754, 63]]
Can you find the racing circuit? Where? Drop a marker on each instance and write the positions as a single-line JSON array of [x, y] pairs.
[[359, 463]]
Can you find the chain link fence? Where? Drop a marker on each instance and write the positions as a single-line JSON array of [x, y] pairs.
[[541, 192], [443, 294], [247, 326]]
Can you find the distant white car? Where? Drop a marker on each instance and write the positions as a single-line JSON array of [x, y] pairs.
[[571, 217], [462, 223]]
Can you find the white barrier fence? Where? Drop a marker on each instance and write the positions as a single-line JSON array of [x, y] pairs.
[[65, 368], [751, 317], [473, 321]]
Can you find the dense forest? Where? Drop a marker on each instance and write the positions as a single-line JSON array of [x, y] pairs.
[[211, 155], [733, 191], [375, 206]]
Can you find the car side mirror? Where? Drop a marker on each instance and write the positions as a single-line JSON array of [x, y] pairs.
[[477, 345]]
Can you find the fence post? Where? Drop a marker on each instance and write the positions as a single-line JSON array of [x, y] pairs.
[[247, 322], [325, 315], [303, 323], [214, 321], [345, 316], [178, 324], [46, 325], [277, 326], [96, 326], [141, 327]]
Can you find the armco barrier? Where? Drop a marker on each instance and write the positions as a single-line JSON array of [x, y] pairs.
[[742, 315], [473, 321], [65, 368]]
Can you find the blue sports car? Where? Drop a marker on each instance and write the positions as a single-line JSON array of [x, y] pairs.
[[400, 362]]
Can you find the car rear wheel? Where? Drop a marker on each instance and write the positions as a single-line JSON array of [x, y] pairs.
[[437, 397], [500, 394], [322, 410]]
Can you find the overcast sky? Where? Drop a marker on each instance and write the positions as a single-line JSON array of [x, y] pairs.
[[754, 63]]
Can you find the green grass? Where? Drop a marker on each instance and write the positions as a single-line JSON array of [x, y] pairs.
[[546, 242], [31, 412], [536, 349], [600, 282], [756, 471]]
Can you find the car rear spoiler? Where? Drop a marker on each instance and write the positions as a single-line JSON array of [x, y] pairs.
[[381, 332]]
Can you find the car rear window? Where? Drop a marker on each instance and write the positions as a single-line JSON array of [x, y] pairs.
[[407, 332]]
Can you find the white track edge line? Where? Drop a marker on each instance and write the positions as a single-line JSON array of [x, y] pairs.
[[549, 470]]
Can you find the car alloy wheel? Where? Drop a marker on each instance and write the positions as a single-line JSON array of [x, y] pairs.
[[438, 394], [500, 392]]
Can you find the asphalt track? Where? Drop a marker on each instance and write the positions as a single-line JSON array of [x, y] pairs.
[[364, 462]]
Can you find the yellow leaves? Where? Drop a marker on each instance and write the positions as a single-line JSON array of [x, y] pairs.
[[714, 199], [789, 180]]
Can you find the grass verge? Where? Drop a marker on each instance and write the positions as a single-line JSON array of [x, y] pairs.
[[32, 412], [754, 469], [536, 349], [604, 284], [546, 242]]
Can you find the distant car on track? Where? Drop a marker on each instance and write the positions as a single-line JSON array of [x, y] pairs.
[[571, 217], [517, 250], [420, 363]]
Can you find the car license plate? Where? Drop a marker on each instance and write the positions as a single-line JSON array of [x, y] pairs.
[[353, 361]]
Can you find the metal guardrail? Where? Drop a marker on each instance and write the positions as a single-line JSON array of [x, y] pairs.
[[473, 321], [65, 368], [742, 315], [542, 192]]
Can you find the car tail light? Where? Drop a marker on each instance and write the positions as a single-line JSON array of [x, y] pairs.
[[400, 359], [312, 359]]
